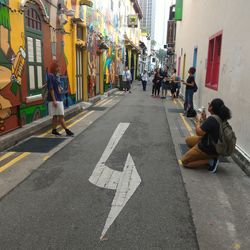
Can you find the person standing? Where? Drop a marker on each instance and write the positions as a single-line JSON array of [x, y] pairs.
[[55, 100], [173, 83], [189, 93], [153, 81], [157, 82], [164, 82], [144, 79], [126, 78], [178, 86]]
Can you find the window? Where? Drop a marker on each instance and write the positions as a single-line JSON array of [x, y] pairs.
[[79, 32], [34, 37], [213, 61], [112, 5], [33, 20]]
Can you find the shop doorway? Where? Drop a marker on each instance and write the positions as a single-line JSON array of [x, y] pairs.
[[97, 88], [79, 74], [184, 67]]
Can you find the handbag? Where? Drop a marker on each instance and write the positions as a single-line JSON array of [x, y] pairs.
[[195, 87]]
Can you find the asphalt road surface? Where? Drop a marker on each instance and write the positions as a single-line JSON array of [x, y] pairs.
[[57, 207]]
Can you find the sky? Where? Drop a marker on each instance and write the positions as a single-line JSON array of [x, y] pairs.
[[161, 20]]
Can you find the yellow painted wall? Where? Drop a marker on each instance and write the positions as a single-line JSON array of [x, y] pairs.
[[70, 49], [17, 26]]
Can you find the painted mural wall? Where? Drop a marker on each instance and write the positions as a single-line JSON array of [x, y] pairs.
[[88, 44], [105, 40], [31, 36], [12, 59]]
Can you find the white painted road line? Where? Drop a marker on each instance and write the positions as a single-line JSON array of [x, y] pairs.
[[100, 177], [129, 182], [125, 183]]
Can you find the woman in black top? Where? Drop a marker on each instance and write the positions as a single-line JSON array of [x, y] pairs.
[[157, 83], [202, 150], [189, 93]]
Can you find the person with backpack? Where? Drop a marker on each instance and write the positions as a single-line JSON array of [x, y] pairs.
[[214, 138], [191, 88]]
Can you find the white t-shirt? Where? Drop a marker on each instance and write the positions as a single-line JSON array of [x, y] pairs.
[[144, 77], [126, 76]]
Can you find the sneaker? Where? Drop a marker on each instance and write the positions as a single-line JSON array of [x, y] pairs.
[[213, 165], [69, 133], [55, 132]]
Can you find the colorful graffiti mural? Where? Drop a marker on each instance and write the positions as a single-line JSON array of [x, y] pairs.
[[92, 47], [34, 32], [11, 68], [103, 24], [27, 30]]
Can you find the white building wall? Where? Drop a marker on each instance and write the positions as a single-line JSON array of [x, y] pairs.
[[201, 20]]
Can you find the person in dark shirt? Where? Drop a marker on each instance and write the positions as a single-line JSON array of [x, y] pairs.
[[202, 150], [157, 83], [189, 93], [164, 82]]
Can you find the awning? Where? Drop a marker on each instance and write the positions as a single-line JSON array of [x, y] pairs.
[[129, 43]]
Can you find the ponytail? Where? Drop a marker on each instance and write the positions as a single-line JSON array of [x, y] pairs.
[[220, 109], [224, 113]]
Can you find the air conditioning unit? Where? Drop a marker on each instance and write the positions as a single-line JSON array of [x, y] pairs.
[[69, 12], [62, 19]]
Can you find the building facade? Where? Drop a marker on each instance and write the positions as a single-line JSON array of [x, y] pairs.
[[147, 10], [89, 39], [217, 45]]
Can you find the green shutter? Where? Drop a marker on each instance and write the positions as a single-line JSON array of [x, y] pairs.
[[178, 10]]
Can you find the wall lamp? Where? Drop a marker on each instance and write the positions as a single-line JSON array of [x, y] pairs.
[[87, 3]]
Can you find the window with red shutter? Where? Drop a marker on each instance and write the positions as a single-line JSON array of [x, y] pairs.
[[213, 61]]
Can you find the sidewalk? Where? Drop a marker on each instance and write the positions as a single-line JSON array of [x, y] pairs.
[[220, 202], [12, 138]]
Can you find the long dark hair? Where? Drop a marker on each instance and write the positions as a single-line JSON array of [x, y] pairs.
[[220, 109]]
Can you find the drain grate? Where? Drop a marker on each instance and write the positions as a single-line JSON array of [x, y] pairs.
[[97, 108], [183, 132], [38, 145]]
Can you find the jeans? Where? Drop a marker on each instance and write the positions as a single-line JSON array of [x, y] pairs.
[[188, 99]]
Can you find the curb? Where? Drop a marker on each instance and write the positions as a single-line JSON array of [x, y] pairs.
[[12, 138], [242, 160]]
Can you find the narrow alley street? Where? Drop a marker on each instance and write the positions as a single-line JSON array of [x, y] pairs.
[[124, 125], [58, 205]]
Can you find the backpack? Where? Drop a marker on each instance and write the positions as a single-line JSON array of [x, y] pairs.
[[191, 112], [227, 139]]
